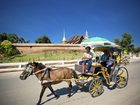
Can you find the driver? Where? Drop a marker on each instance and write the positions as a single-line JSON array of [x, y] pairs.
[[86, 59]]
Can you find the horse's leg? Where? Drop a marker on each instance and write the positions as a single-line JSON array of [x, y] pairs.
[[51, 89], [70, 88], [41, 94]]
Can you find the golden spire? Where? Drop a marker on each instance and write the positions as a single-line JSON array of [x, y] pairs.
[[86, 35], [64, 38]]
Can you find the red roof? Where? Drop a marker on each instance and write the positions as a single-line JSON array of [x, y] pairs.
[[76, 39]]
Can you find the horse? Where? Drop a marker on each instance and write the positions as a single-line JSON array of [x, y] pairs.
[[55, 76]]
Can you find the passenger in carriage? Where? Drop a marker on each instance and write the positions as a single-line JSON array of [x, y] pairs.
[[104, 58], [107, 60], [86, 60], [110, 62]]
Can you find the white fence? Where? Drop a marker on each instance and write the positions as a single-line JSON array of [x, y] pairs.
[[11, 67]]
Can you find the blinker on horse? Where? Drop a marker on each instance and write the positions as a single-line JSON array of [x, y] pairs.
[[56, 76]]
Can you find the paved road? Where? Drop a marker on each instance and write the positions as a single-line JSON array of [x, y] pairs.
[[13, 91]]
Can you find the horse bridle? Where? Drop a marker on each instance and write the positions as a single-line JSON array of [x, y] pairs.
[[32, 72]]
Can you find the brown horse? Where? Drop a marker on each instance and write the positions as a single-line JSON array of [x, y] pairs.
[[55, 76]]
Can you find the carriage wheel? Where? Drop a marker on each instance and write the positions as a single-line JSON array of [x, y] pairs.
[[122, 77], [96, 87]]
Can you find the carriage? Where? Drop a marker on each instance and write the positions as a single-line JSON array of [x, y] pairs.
[[100, 76], [95, 81]]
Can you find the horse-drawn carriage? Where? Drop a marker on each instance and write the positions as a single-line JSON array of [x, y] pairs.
[[100, 75]]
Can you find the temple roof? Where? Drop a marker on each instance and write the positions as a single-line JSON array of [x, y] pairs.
[[76, 39]]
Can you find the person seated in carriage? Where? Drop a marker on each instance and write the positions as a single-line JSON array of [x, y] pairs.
[[104, 58], [107, 60], [86, 60]]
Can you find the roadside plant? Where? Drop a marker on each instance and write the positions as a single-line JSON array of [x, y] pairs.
[[7, 49]]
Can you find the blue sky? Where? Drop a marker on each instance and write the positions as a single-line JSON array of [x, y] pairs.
[[103, 18]]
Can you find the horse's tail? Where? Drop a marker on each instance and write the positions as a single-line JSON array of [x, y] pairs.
[[74, 74]]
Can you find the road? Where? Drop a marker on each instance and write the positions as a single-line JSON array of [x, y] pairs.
[[13, 91]]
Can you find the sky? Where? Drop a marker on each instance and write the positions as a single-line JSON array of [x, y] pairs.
[[102, 18]]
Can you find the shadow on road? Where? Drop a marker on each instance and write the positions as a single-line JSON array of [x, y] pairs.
[[64, 91]]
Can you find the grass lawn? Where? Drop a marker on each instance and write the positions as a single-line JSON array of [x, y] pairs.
[[43, 57]]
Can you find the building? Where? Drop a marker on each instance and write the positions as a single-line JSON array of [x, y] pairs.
[[64, 41], [86, 35], [77, 39]]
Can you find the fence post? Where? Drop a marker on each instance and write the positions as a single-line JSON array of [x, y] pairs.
[[63, 63], [77, 62], [19, 66]]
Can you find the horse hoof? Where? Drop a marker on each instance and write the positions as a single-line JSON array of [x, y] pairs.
[[38, 104], [69, 95], [57, 96]]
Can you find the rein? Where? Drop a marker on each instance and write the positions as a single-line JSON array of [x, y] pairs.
[[38, 72], [42, 70]]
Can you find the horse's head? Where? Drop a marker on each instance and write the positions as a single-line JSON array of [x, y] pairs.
[[30, 68]]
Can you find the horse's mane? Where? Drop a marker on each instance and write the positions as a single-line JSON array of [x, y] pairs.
[[40, 66], [37, 65]]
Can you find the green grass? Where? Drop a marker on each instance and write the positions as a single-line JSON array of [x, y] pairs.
[[43, 56]]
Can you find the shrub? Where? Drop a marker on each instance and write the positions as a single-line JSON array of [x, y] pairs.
[[7, 49]]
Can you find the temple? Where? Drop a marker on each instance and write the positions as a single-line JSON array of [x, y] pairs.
[[77, 39], [86, 35], [64, 41]]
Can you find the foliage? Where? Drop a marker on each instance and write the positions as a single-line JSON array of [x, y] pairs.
[[117, 41], [126, 42], [137, 50], [43, 39], [1, 51], [14, 38], [7, 49]]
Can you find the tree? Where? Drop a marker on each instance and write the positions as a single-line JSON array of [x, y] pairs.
[[125, 42], [117, 41], [7, 49], [22, 40], [14, 38], [43, 39], [137, 51], [3, 37]]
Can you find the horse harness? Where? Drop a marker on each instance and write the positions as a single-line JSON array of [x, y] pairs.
[[46, 72]]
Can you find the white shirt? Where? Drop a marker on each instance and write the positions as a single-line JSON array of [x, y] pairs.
[[88, 55]]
